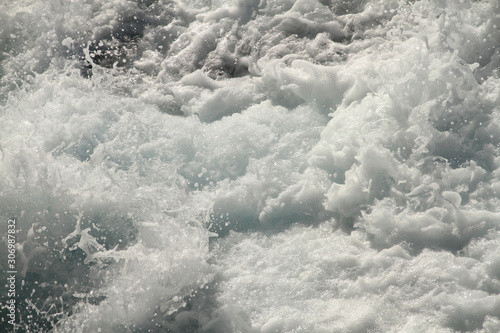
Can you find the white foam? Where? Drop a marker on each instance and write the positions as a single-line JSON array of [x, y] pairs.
[[341, 157]]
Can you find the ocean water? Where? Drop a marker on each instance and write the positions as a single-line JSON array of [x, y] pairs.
[[250, 166]]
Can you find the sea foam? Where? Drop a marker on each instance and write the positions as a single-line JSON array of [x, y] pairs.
[[246, 166]]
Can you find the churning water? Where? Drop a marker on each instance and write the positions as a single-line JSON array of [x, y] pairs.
[[251, 166]]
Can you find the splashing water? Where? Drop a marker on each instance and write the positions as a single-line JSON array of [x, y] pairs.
[[251, 166]]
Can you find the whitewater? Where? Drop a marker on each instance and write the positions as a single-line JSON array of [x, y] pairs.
[[250, 165]]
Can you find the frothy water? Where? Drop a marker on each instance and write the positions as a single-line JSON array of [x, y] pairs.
[[251, 166]]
